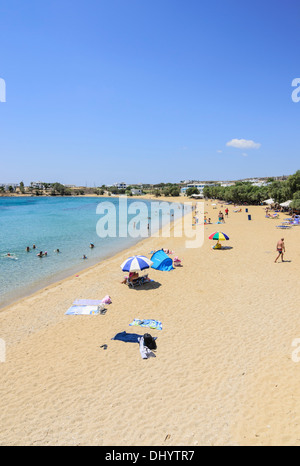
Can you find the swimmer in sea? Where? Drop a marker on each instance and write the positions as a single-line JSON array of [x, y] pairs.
[[11, 256], [84, 256]]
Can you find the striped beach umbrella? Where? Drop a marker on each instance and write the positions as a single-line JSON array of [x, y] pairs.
[[219, 236], [136, 264]]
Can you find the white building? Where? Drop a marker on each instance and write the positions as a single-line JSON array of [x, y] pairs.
[[136, 192], [37, 184], [199, 186], [6, 186], [120, 185], [226, 184]]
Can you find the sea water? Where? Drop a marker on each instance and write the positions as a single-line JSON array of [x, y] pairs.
[[65, 223]]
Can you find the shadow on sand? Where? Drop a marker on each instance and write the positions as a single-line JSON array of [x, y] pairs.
[[147, 286]]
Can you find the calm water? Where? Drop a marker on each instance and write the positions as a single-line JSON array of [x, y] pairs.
[[68, 224]]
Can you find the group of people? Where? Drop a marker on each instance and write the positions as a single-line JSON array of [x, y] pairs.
[[221, 215], [43, 254], [92, 247]]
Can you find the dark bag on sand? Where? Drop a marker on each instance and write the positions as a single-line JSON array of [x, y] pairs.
[[149, 341]]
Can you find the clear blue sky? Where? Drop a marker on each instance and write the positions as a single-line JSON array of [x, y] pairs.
[[148, 91]]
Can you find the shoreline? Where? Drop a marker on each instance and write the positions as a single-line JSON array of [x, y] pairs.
[[66, 274]]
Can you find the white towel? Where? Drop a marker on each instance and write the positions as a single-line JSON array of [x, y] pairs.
[[144, 350]]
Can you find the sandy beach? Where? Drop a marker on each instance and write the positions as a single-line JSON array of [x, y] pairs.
[[223, 372]]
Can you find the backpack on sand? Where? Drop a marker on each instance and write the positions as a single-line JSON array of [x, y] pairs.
[[149, 341]]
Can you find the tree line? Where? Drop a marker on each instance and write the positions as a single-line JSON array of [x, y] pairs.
[[245, 192]]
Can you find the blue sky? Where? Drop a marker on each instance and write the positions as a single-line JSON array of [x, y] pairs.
[[99, 92]]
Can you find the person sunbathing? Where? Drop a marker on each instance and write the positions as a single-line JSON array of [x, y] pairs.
[[132, 277]]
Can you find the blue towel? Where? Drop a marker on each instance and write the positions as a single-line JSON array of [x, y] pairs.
[[127, 337]]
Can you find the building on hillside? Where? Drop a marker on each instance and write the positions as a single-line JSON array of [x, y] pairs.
[[37, 184], [9, 186], [200, 186], [225, 184], [120, 185], [136, 192]]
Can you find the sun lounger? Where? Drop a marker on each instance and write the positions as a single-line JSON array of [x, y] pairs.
[[138, 281]]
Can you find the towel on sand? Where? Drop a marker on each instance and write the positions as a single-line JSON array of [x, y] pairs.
[[83, 310], [135, 338], [155, 324], [127, 337], [92, 302]]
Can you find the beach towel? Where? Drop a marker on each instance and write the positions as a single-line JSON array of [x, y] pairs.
[[92, 302], [127, 337], [83, 310], [155, 324], [135, 338]]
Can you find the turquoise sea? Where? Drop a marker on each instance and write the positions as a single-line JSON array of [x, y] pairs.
[[65, 223]]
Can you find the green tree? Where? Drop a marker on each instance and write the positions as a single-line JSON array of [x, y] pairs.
[[295, 204], [294, 182], [191, 191], [175, 191]]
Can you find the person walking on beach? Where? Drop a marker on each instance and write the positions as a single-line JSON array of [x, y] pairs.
[[280, 249]]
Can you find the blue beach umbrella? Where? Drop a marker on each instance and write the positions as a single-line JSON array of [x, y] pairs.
[[136, 264]]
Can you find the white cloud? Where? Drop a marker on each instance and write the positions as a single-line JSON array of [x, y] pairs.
[[244, 154], [243, 144], [219, 151]]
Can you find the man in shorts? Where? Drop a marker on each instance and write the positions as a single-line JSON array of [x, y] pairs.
[[280, 249]]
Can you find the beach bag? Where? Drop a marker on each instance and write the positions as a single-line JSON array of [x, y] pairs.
[[107, 299], [101, 308], [149, 341]]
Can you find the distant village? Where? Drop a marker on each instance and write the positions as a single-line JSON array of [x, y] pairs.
[[183, 188]]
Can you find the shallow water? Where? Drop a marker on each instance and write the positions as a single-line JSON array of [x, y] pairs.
[[65, 223]]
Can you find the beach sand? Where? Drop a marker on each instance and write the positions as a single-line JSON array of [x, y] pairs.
[[223, 372]]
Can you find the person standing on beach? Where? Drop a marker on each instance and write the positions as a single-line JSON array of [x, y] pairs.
[[280, 249]]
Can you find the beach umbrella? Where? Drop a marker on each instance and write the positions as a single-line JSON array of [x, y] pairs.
[[269, 201], [136, 264], [219, 236]]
